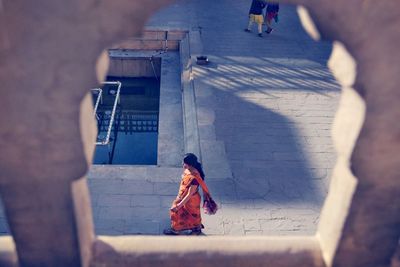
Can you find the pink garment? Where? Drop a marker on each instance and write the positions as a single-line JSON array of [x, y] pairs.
[[271, 15]]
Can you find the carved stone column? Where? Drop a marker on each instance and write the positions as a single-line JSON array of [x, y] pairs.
[[370, 229], [48, 53]]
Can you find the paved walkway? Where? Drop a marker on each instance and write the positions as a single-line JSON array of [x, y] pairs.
[[265, 108], [266, 105]]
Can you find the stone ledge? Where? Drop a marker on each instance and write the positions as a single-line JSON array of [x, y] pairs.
[[207, 251], [8, 254], [191, 131], [141, 173]]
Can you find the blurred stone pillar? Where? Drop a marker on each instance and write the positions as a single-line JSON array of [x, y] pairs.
[[360, 221], [48, 53]]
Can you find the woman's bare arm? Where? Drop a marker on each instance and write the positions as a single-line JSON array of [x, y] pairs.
[[192, 191]]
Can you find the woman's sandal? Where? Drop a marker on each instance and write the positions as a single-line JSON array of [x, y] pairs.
[[194, 231], [170, 232], [269, 30]]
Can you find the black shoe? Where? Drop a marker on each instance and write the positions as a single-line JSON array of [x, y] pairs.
[[186, 232], [260, 35], [181, 232], [269, 30], [247, 30], [196, 232], [170, 232]]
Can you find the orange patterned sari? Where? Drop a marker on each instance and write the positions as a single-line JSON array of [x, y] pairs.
[[188, 216]]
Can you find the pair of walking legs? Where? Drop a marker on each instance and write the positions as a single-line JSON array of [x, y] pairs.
[[259, 26], [260, 20], [268, 22], [257, 19]]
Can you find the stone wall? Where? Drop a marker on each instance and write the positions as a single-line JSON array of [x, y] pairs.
[[134, 67]]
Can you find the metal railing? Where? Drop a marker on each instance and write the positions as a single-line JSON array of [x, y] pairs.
[[99, 98], [106, 141]]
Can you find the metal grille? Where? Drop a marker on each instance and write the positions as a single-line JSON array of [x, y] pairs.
[[129, 122]]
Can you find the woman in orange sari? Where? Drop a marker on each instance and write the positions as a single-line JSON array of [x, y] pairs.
[[185, 210]]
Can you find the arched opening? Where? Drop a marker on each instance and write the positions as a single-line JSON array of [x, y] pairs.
[[374, 159], [264, 108]]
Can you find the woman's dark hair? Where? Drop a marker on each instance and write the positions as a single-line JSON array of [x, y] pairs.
[[191, 159]]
